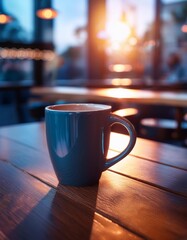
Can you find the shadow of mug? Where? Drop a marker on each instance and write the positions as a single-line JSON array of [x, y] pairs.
[[73, 219]]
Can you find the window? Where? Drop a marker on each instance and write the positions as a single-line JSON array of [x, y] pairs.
[[21, 28], [174, 41], [129, 37], [70, 37], [13, 63]]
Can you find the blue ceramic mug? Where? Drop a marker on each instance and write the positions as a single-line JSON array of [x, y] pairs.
[[78, 141]]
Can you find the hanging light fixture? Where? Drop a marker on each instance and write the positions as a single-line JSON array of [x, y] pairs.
[[4, 17], [46, 12]]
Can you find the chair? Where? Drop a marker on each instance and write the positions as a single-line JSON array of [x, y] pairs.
[[162, 130]]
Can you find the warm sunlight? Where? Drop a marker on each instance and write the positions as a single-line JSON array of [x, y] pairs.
[[120, 68], [121, 81], [118, 31], [132, 41]]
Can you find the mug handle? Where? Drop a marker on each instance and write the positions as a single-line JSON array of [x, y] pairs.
[[113, 119]]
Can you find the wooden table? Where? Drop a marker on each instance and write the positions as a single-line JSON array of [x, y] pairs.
[[120, 95], [175, 99], [142, 197]]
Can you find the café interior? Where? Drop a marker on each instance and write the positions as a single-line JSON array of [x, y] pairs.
[[63, 173], [96, 45]]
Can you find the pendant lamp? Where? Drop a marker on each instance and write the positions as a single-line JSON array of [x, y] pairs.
[[4, 17], [46, 11]]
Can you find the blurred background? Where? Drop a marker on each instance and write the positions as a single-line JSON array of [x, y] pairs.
[[93, 43], [92, 39]]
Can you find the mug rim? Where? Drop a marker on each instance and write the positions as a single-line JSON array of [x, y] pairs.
[[95, 107]]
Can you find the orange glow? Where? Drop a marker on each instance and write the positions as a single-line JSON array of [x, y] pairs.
[[47, 13], [4, 19], [118, 31], [115, 46], [108, 228], [120, 68], [120, 93], [184, 28], [132, 41], [121, 81], [126, 112]]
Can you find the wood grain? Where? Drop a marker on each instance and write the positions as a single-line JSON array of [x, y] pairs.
[[153, 173], [31, 134], [144, 195], [115, 191], [148, 211], [37, 163], [32, 210], [34, 136], [153, 151]]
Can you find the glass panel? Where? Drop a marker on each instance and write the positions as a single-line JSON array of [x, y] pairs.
[[70, 39], [174, 41], [21, 28], [14, 63], [129, 37]]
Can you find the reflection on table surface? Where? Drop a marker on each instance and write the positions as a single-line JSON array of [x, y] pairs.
[[144, 196], [112, 94]]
